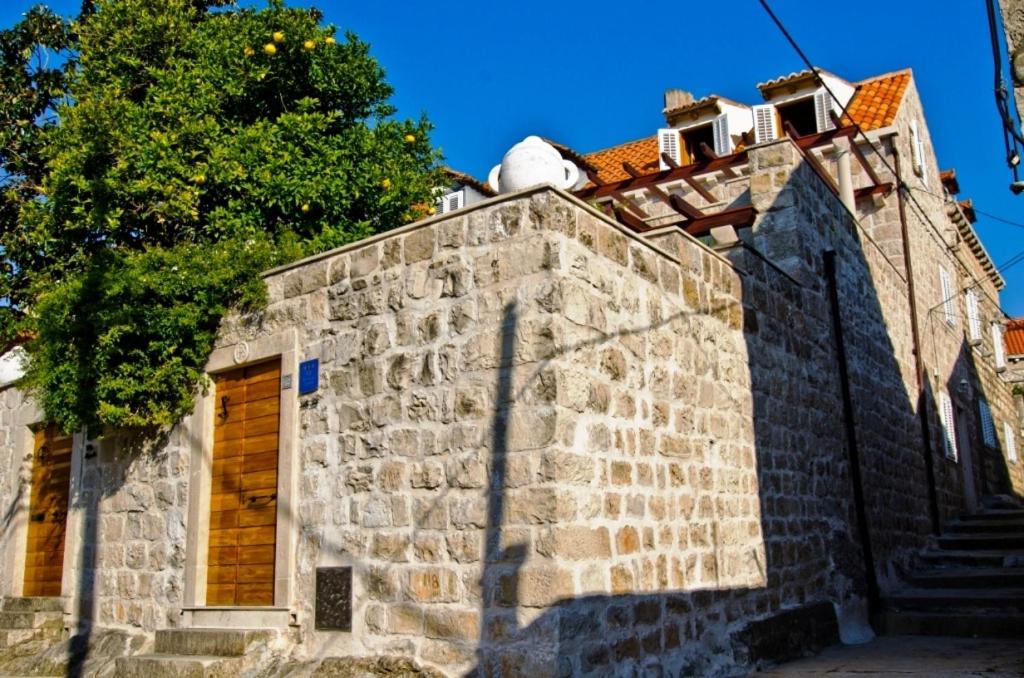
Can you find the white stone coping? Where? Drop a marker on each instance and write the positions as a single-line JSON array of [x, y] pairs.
[[483, 204]]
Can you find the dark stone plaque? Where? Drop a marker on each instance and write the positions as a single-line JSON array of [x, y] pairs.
[[334, 598]]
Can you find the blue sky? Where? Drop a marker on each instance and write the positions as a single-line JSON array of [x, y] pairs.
[[592, 75]]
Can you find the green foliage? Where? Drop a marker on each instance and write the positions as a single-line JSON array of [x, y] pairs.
[[196, 146]]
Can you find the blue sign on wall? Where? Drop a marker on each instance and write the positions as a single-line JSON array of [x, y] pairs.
[[309, 376]]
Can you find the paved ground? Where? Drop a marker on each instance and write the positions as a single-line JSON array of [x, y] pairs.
[[911, 656]]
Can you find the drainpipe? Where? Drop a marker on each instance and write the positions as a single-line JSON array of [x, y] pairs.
[[871, 579], [845, 177], [915, 331]]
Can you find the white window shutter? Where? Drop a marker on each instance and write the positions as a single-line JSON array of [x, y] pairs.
[[452, 201], [1011, 442], [998, 350], [668, 143], [948, 300], [822, 109], [917, 148], [988, 427], [723, 142], [948, 430], [764, 123], [973, 316]]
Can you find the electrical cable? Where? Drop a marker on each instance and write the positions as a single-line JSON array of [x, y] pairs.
[[902, 185], [844, 113]]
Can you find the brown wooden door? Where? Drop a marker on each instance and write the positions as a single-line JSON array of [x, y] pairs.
[[48, 512], [243, 501]]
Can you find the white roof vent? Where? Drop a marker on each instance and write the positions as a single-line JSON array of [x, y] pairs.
[[532, 162]]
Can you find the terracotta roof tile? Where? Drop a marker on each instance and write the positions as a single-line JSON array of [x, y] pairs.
[[877, 100], [873, 106], [641, 154], [1014, 336]]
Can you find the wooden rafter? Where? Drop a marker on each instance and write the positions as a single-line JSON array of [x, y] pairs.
[[859, 154], [812, 159], [675, 202], [709, 152], [629, 203]]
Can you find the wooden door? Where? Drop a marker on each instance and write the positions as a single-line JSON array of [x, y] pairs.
[[243, 501], [48, 512]]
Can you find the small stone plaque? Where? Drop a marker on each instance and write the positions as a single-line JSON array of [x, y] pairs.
[[333, 599]]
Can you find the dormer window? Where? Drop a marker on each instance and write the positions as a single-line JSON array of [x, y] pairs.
[[809, 115], [687, 145]]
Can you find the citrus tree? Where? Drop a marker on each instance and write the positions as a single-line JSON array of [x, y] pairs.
[[186, 146]]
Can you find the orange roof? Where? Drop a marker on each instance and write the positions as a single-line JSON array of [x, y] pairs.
[[1014, 336], [874, 106], [641, 154], [877, 100]]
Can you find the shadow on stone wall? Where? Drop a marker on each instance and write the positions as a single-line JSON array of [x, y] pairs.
[[816, 561]]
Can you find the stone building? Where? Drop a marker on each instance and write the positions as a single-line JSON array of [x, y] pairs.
[[682, 406]]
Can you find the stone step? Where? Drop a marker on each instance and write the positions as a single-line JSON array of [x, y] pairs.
[[968, 577], [904, 623], [209, 642], [1006, 600], [1011, 526], [31, 604], [971, 558], [982, 542], [995, 514], [178, 666], [30, 620]]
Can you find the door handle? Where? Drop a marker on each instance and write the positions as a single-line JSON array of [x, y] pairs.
[[262, 497], [224, 407]]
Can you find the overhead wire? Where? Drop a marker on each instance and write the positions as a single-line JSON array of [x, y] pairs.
[[901, 183]]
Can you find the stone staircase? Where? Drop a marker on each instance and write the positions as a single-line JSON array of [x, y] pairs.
[[198, 653], [969, 583]]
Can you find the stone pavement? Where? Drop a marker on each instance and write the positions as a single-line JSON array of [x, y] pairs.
[[935, 657]]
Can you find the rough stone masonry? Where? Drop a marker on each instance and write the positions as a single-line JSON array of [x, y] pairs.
[[544, 444]]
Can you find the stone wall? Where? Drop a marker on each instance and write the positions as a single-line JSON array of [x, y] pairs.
[[803, 218], [545, 444], [537, 426]]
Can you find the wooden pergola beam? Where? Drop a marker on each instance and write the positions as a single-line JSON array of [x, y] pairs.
[[630, 203], [859, 154], [709, 152], [811, 158]]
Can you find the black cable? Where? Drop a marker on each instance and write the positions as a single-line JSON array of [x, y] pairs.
[[902, 185], [1002, 96], [994, 217]]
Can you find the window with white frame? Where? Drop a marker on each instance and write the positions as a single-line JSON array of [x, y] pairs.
[[1011, 442], [973, 316], [948, 296], [451, 202], [988, 427], [998, 350], [948, 429]]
